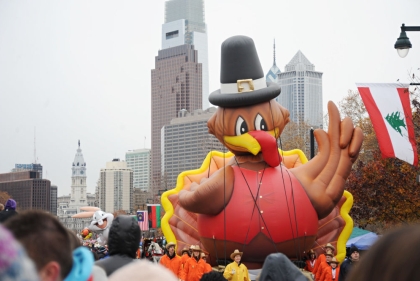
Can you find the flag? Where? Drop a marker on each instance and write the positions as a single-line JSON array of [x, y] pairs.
[[389, 109], [142, 219], [154, 215]]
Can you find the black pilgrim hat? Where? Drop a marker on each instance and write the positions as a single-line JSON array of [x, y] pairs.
[[242, 81]]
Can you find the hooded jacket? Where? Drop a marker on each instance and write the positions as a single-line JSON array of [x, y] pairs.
[[123, 242], [277, 267], [9, 210]]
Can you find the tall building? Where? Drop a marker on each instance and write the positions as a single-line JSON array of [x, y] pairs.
[[272, 74], [176, 85], [301, 90], [185, 143], [185, 24], [27, 189], [53, 200], [69, 205], [139, 161], [28, 167], [116, 187], [78, 197]]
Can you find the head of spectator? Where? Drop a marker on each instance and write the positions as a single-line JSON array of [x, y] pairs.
[[9, 210], [204, 256], [123, 242], [354, 253], [1, 207], [46, 242], [392, 257], [14, 263], [143, 270], [278, 267], [124, 236], [10, 204], [213, 276]]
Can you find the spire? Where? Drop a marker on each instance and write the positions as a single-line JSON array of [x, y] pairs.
[[274, 51], [79, 143]]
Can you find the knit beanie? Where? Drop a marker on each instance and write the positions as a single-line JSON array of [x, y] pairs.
[[15, 265], [10, 204]]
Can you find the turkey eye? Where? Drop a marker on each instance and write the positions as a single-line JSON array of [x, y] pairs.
[[260, 124], [241, 127]]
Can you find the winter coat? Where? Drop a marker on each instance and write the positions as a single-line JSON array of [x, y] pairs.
[[193, 270], [345, 269], [173, 264], [123, 242], [241, 272], [328, 276], [278, 267], [6, 214]]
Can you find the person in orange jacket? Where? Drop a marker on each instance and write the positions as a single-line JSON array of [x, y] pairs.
[[208, 266], [185, 255], [195, 267], [171, 261], [321, 258], [325, 264], [332, 272], [311, 261]]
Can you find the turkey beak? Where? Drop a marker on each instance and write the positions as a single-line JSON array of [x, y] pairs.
[[247, 141]]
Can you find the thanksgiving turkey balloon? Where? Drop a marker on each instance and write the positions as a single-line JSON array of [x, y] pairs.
[[257, 199]]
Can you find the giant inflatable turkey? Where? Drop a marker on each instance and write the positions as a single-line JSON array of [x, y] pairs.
[[258, 198]]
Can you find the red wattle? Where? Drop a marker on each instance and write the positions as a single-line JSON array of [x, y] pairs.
[[269, 149]]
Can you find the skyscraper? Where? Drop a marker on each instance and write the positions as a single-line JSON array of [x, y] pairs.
[[138, 160], [176, 85], [116, 187], [301, 91], [272, 75], [185, 24], [78, 196], [185, 144]]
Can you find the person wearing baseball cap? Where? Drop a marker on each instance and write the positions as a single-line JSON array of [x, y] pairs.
[[172, 261], [236, 270]]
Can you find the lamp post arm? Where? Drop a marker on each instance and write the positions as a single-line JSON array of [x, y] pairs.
[[410, 28]]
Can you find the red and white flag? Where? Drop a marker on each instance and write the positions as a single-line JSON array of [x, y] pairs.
[[389, 109], [143, 220]]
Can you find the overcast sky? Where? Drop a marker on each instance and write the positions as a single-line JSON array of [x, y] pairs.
[[81, 69]]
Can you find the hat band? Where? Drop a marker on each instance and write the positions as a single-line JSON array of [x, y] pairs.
[[243, 86]]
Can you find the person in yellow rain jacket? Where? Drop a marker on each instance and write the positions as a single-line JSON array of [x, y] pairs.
[[236, 271]]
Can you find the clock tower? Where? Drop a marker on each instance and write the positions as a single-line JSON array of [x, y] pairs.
[[78, 197]]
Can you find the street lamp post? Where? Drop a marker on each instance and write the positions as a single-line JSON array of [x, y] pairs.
[[403, 44]]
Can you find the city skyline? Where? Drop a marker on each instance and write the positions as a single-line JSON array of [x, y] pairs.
[[82, 70]]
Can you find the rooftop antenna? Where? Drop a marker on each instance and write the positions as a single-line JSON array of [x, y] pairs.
[[144, 144], [35, 145], [274, 51]]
